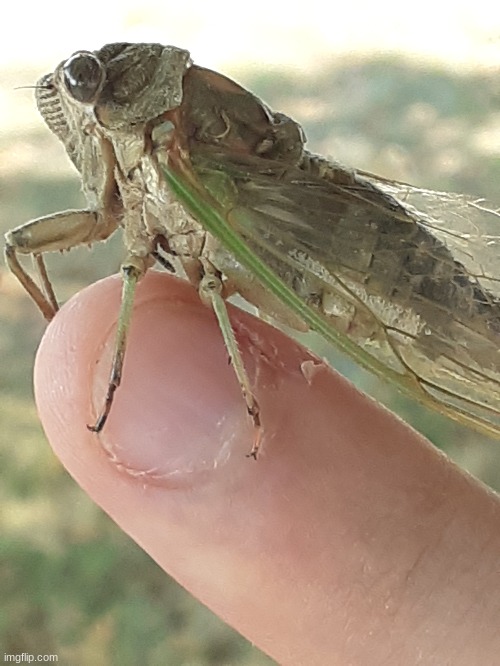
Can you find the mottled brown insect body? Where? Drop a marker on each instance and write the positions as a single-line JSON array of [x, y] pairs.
[[198, 170]]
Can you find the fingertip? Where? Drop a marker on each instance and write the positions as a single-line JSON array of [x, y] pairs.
[[280, 542]]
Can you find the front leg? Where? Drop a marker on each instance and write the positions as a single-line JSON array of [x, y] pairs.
[[61, 231]]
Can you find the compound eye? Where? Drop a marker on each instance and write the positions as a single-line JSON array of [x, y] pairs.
[[83, 76]]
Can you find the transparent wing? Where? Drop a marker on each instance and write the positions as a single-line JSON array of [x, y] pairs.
[[469, 227], [407, 276]]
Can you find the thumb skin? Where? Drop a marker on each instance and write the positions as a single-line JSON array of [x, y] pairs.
[[349, 540]]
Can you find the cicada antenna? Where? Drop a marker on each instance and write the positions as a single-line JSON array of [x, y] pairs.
[[35, 87]]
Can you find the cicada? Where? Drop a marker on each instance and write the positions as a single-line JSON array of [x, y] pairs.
[[201, 175]]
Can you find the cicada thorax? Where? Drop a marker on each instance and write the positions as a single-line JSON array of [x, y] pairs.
[[219, 114]]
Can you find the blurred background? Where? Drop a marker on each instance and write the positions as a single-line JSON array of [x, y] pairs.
[[410, 92]]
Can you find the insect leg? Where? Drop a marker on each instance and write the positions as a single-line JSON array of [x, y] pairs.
[[45, 281], [162, 253], [131, 274], [60, 231], [45, 305], [210, 290]]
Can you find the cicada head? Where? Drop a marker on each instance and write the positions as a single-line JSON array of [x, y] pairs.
[[123, 84]]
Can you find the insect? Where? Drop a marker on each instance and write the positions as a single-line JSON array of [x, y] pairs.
[[201, 175]]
